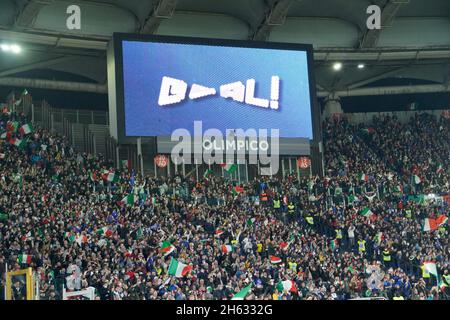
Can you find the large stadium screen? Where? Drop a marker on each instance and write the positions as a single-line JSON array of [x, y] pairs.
[[168, 83]]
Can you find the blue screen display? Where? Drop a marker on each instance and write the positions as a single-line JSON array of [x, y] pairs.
[[168, 86]]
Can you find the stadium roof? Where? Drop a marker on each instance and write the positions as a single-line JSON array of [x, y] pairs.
[[414, 42]]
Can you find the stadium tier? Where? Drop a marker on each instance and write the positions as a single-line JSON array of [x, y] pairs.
[[367, 229], [268, 151]]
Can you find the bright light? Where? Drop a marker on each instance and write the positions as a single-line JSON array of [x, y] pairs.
[[5, 47], [361, 66], [337, 66], [14, 48]]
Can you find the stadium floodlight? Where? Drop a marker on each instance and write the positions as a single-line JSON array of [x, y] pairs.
[[13, 48], [337, 66], [361, 66], [5, 47]]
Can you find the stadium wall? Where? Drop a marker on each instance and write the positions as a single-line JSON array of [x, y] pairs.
[[403, 116]]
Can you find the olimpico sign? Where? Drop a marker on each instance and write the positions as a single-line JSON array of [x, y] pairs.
[[211, 146]]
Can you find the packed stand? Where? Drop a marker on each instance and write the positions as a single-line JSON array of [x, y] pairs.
[[362, 231]]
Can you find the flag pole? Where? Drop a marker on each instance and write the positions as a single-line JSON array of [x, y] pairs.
[[310, 167], [6, 275], [290, 166], [246, 170], [238, 172], [140, 157]]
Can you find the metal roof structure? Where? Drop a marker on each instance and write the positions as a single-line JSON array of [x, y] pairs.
[[413, 43]]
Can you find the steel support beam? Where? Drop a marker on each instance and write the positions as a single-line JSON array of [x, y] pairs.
[[370, 37], [276, 17], [374, 78], [35, 65], [29, 12], [325, 54], [54, 85], [163, 10], [378, 91]]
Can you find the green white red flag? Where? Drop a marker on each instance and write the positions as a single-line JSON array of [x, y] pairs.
[[178, 269], [229, 167], [243, 293], [226, 248], [24, 259], [26, 129], [166, 247], [275, 259], [287, 286]]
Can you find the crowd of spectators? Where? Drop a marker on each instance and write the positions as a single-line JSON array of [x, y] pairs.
[[357, 232]]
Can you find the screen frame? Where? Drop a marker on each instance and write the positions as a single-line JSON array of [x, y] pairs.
[[119, 84]]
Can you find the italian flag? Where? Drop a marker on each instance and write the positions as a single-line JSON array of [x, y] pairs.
[[430, 224], [242, 294], [70, 236], [178, 269], [237, 190], [285, 245], [219, 232], [226, 248], [166, 248], [351, 198], [26, 129], [129, 252], [125, 164], [363, 177], [24, 259], [110, 176], [104, 231], [20, 143], [250, 221], [333, 244], [369, 130], [417, 179], [93, 176], [81, 239], [286, 286], [207, 173], [440, 168], [12, 126], [441, 220], [28, 236], [229, 167], [366, 212], [129, 199], [379, 237], [430, 267], [275, 260]]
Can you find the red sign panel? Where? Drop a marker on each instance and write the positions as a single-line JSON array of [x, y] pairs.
[[304, 162], [161, 160]]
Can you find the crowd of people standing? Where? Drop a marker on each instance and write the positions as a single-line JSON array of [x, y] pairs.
[[359, 231]]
